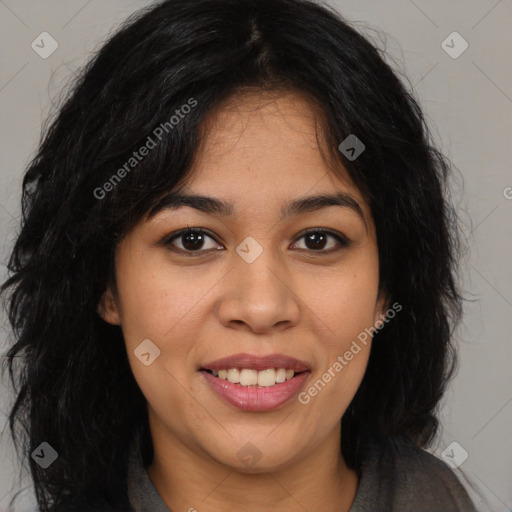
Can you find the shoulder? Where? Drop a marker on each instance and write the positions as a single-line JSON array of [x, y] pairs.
[[81, 504], [397, 475]]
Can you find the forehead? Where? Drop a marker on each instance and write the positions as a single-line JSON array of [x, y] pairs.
[[268, 144]]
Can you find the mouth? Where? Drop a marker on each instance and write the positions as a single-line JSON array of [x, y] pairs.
[[255, 391], [255, 382]]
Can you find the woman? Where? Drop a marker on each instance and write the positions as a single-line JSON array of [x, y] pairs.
[[234, 286]]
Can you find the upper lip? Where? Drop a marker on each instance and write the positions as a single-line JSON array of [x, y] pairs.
[[257, 362]]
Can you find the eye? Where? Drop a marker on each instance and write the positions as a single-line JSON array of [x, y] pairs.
[[191, 240], [316, 240]]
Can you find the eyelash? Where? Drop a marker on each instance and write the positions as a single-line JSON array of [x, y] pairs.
[[167, 241]]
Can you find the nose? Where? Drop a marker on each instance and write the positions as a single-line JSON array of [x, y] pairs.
[[259, 296]]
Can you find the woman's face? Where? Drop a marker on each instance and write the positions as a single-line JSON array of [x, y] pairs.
[[253, 284]]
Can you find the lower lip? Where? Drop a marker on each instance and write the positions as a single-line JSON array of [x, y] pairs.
[[256, 399]]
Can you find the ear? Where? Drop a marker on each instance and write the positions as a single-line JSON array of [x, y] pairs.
[[381, 306], [107, 308]]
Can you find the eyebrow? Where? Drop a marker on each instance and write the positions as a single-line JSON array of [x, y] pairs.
[[302, 205]]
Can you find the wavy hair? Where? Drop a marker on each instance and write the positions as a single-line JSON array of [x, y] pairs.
[[69, 369]]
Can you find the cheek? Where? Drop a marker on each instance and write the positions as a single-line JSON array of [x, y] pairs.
[[344, 301], [344, 304], [346, 346], [329, 395], [158, 301], [167, 306], [164, 307]]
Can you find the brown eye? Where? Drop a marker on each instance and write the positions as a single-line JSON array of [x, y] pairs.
[[191, 240], [194, 242], [318, 240]]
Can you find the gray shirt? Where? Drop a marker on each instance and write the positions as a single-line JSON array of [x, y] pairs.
[[396, 476]]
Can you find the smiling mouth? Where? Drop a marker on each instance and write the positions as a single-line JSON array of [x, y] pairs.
[[250, 378]]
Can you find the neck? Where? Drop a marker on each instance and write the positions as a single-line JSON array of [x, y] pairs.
[[188, 481]]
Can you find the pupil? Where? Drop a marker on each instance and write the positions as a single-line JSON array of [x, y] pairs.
[[315, 239], [192, 241]]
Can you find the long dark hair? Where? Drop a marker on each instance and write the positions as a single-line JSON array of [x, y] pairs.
[[73, 384]]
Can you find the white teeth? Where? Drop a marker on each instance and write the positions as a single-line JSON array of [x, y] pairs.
[[267, 377], [248, 377], [280, 375], [234, 375]]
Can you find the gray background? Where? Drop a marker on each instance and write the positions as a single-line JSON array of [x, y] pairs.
[[468, 104]]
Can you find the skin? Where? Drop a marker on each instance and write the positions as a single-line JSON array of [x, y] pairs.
[[259, 152]]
